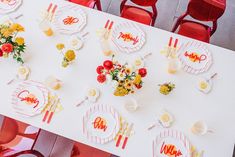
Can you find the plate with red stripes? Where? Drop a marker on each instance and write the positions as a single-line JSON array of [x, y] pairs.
[[70, 19], [101, 123], [171, 143], [29, 98], [7, 6], [195, 57], [128, 37]]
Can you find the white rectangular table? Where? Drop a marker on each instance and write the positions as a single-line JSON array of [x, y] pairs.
[[186, 103]]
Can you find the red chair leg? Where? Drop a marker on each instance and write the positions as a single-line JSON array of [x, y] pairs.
[[98, 5], [213, 28], [178, 22], [122, 5], [154, 15], [27, 152]]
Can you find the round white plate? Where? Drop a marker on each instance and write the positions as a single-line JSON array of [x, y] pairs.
[[70, 19], [171, 143], [20, 104], [128, 37], [7, 7], [195, 57], [101, 124]]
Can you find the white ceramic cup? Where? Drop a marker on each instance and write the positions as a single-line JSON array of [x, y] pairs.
[[200, 128], [53, 83], [131, 105]]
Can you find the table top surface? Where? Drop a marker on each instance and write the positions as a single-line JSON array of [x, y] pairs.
[[186, 103]]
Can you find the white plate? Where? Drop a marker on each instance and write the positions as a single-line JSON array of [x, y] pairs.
[[101, 133], [70, 19], [20, 105], [7, 7], [128, 37], [174, 139], [195, 57]]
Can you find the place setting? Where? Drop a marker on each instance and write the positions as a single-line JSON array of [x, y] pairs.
[[66, 19], [8, 6], [122, 37], [128, 37], [103, 124], [33, 98]]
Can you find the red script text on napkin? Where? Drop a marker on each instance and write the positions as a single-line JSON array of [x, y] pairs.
[[70, 20], [128, 37], [29, 98], [170, 150], [194, 57], [100, 123]]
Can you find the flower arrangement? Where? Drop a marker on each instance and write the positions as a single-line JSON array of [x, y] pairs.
[[69, 55], [124, 78], [166, 88], [10, 43]]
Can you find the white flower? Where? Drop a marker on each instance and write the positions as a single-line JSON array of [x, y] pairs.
[[108, 79], [166, 119], [3, 40], [93, 94], [75, 42], [114, 84], [121, 76], [53, 83], [23, 72]]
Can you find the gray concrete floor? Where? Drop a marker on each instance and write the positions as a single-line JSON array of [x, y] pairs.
[[170, 10]]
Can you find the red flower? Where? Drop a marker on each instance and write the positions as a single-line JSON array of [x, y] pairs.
[[7, 47], [99, 69], [142, 72], [138, 86], [101, 78], [1, 53], [108, 64]]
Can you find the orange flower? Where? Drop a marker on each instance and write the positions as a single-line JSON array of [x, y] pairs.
[[19, 40], [17, 27]]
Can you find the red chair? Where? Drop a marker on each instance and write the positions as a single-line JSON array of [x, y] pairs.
[[8, 132], [138, 14], [88, 3], [82, 150], [202, 10]]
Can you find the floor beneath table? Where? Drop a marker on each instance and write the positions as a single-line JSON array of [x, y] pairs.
[[52, 145], [170, 10]]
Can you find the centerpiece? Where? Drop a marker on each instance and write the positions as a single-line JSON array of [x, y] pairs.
[[10, 42], [125, 79]]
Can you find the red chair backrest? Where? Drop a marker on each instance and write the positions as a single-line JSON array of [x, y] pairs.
[[205, 10], [145, 3]]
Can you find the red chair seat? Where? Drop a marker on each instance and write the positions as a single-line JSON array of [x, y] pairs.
[[137, 14], [195, 30], [87, 3]]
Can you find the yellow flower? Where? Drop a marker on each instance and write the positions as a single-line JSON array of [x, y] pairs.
[[137, 79], [120, 82], [19, 40], [70, 55], [164, 90], [127, 81], [17, 27], [60, 46], [6, 32], [128, 85], [120, 91], [128, 71]]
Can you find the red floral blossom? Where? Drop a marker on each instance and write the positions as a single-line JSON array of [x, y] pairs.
[[7, 47]]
